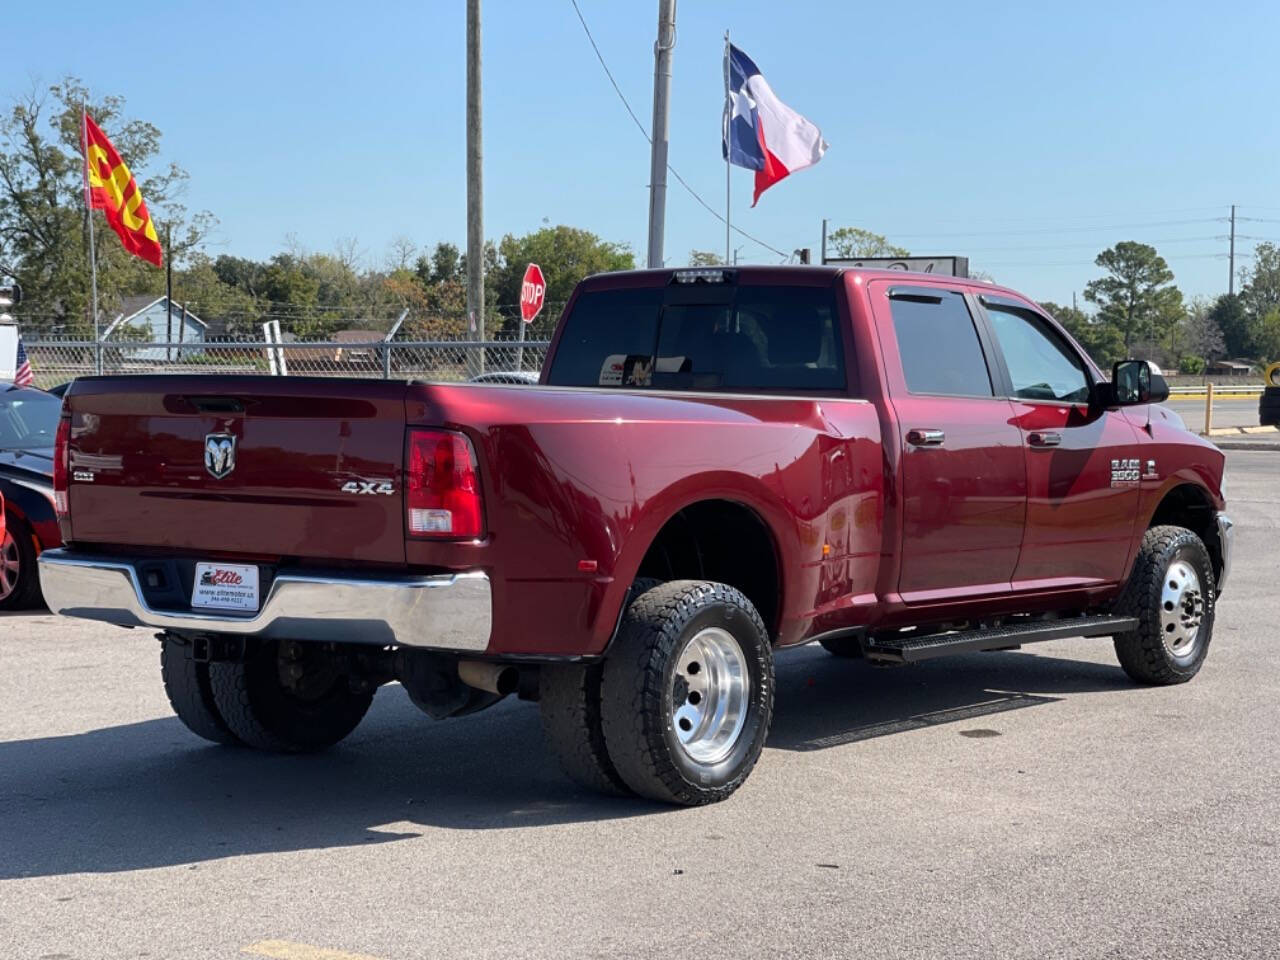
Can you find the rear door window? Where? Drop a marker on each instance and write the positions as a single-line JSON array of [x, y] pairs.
[[939, 345], [732, 339]]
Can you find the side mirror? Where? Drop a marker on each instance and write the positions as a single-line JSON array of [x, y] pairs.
[[1134, 382]]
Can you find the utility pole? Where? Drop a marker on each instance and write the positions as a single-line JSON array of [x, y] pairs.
[[168, 289], [824, 241], [1231, 258], [475, 181], [662, 49]]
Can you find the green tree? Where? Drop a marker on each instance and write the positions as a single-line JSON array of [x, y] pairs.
[[1137, 295], [202, 289], [1099, 337], [1201, 334], [853, 242], [1269, 336], [42, 221], [1260, 292], [565, 254], [705, 258], [1228, 315]]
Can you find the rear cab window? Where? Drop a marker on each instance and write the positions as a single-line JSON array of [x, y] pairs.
[[711, 337]]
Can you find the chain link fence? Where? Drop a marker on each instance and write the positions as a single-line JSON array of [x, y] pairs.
[[55, 361]]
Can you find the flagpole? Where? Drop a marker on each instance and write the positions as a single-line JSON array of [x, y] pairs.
[[728, 150], [88, 210]]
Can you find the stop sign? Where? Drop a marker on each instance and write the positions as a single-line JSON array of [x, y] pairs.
[[533, 293]]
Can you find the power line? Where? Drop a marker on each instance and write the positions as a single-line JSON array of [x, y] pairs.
[[1043, 230], [1090, 263], [1092, 245], [645, 133], [1111, 215]]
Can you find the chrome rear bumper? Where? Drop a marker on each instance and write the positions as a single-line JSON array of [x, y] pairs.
[[445, 612]]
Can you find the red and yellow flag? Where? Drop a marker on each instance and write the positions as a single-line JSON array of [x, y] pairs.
[[113, 190]]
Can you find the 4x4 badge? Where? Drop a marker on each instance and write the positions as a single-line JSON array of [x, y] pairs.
[[219, 454]]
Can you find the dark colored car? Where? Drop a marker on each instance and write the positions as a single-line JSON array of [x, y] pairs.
[[717, 465], [513, 377], [28, 425], [1269, 402]]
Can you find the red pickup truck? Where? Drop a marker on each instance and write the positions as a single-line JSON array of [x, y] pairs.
[[717, 465]]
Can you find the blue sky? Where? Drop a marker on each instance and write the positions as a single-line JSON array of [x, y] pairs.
[[1025, 135]]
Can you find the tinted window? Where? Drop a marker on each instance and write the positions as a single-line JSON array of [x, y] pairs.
[[604, 329], [941, 354], [28, 419], [748, 338], [1041, 365]]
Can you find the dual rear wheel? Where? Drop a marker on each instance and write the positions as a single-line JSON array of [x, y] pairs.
[[680, 710], [270, 700]]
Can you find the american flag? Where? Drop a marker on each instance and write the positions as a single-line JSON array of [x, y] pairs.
[[22, 378]]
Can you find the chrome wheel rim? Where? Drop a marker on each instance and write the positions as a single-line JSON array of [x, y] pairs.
[[1181, 611], [9, 565], [710, 695]]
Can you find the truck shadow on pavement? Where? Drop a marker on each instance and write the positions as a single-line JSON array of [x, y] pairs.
[[149, 794]]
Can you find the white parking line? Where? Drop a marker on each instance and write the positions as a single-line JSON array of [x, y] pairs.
[[287, 950]]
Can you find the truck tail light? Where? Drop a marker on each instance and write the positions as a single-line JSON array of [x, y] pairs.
[[61, 467], [441, 486]]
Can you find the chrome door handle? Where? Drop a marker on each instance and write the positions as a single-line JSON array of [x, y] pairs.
[[1044, 438], [926, 438]]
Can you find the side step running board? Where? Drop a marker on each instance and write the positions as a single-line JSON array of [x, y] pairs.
[[910, 648]]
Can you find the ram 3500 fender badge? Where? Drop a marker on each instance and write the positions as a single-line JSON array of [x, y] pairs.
[[374, 487], [1125, 473]]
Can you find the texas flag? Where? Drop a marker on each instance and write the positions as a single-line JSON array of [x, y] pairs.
[[761, 132]]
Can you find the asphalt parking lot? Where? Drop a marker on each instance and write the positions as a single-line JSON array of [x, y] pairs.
[[1021, 804]]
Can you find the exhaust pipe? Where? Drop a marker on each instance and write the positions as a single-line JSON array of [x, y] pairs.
[[498, 678]]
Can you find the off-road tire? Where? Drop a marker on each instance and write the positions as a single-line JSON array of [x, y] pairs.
[[637, 694], [26, 592], [262, 712], [1142, 652], [186, 684], [569, 701]]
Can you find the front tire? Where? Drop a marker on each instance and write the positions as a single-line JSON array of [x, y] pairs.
[[258, 707], [688, 692], [1172, 593]]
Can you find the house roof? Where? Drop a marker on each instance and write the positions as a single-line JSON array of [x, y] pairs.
[[132, 306], [358, 336]]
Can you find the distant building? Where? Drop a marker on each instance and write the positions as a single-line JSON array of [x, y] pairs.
[[145, 321], [1233, 368]]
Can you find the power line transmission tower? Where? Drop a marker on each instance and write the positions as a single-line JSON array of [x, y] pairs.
[[1231, 258]]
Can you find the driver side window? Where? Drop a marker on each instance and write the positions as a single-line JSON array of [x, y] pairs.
[[1041, 365]]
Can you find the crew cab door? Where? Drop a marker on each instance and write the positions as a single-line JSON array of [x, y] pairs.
[[963, 475], [1083, 461]]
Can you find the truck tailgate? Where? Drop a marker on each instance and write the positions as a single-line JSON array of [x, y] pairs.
[[263, 466]]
